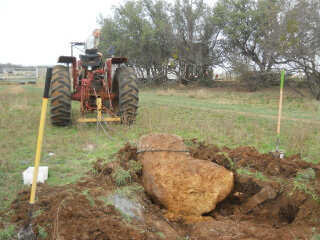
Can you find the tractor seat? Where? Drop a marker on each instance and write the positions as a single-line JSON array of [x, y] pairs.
[[91, 55], [93, 60], [90, 58], [92, 64]]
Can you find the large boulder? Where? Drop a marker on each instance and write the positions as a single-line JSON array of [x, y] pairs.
[[184, 185]]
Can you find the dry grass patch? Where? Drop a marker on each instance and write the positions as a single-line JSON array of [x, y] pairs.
[[15, 89], [302, 138], [167, 92], [182, 87], [311, 105], [200, 93]]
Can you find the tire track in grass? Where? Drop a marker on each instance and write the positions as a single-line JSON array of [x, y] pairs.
[[231, 108]]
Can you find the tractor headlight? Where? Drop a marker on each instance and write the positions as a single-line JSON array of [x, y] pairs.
[[89, 68]]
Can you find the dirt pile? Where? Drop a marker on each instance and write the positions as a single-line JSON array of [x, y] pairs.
[[272, 199]]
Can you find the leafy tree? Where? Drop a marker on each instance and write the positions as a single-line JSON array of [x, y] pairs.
[[196, 37], [138, 31], [159, 17], [252, 30], [152, 33], [189, 36]]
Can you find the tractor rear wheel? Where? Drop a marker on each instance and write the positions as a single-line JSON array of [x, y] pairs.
[[60, 95], [125, 87]]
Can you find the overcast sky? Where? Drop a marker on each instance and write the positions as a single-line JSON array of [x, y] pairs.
[[37, 32]]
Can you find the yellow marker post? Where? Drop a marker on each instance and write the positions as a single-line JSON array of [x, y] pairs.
[[26, 232]]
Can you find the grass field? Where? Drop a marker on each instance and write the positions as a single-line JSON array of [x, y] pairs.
[[225, 117]]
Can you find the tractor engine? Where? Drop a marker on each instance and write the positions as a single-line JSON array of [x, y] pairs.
[[91, 87], [96, 80], [93, 83]]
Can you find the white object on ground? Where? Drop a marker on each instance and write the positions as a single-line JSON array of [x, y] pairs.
[[28, 175], [281, 154]]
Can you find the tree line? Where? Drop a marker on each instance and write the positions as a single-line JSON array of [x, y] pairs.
[[189, 37]]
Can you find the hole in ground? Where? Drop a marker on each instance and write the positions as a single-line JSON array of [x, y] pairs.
[[288, 214]]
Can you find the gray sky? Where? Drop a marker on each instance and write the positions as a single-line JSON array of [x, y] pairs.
[[37, 32]]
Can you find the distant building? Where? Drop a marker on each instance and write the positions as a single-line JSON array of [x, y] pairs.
[[42, 71]]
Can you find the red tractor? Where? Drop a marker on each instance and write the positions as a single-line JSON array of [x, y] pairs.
[[96, 86]]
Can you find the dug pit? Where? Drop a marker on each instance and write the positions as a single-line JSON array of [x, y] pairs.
[[271, 199]]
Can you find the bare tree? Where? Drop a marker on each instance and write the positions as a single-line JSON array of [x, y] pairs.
[[301, 41]]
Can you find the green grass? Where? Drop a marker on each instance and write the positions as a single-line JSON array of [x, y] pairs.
[[129, 191], [160, 234], [224, 118], [134, 165], [42, 233], [125, 216], [315, 235], [302, 187], [257, 174], [308, 174], [106, 200], [121, 176], [88, 196], [303, 184], [9, 232]]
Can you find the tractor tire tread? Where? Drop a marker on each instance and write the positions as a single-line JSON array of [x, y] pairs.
[[60, 94], [126, 88]]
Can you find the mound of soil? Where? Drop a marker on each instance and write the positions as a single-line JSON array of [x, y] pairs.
[[272, 199]]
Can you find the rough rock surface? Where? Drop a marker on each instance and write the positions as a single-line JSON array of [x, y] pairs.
[[184, 185]]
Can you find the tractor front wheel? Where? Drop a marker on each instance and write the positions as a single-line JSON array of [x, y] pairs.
[[125, 87], [60, 95]]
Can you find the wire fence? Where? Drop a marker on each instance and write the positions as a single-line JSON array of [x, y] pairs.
[[19, 75]]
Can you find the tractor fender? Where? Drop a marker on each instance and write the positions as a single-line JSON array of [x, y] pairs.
[[108, 68]]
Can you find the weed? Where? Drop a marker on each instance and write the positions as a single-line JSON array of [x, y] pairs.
[[38, 212], [315, 235], [87, 194], [244, 171], [126, 216], [302, 187], [8, 232], [121, 176], [315, 197], [135, 165], [160, 234], [189, 143], [308, 174], [257, 174], [129, 191], [106, 200], [42, 233], [232, 164], [303, 177], [260, 175]]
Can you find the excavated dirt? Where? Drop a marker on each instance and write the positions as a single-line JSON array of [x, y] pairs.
[[272, 199]]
